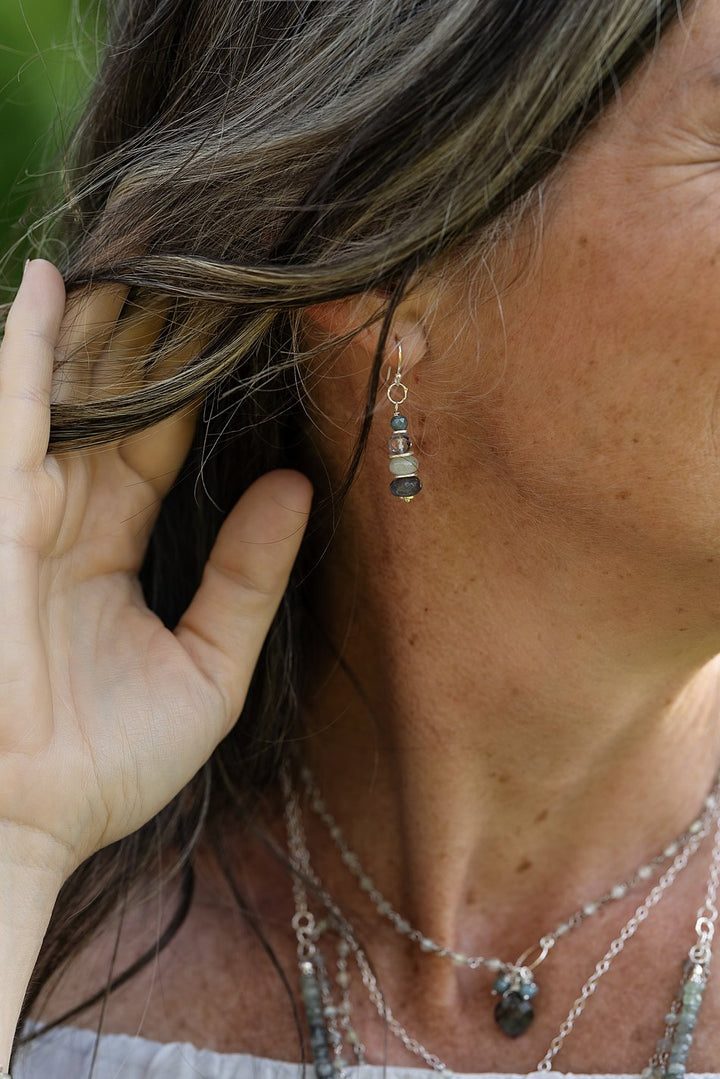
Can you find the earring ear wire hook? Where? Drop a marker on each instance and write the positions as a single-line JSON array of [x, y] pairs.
[[396, 378]]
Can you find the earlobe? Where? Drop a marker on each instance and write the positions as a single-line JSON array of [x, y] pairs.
[[360, 319], [407, 340]]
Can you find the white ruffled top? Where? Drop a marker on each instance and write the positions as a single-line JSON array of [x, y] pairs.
[[67, 1053]]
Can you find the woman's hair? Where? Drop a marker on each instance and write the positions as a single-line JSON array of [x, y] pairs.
[[239, 161]]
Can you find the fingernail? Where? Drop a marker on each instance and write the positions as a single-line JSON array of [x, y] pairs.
[[27, 263]]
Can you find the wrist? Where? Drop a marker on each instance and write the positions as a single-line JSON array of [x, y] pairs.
[[27, 897]]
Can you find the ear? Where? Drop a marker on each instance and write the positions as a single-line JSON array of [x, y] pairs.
[[358, 321]]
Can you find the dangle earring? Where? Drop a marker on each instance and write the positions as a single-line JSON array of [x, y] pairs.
[[403, 463]]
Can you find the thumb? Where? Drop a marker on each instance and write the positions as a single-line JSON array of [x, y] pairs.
[[224, 627]]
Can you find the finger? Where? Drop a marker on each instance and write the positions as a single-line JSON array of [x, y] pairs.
[[156, 454], [89, 322], [128, 480], [151, 342], [121, 368], [224, 628], [26, 363]]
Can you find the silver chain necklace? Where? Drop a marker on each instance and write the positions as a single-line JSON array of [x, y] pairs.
[[515, 982], [699, 955], [328, 1023]]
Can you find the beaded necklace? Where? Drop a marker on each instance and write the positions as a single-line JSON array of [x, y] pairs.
[[515, 982], [329, 1019]]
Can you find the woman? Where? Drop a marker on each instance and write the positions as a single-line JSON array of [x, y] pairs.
[[477, 242]]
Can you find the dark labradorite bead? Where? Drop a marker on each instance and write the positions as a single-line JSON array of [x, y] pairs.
[[513, 1014], [406, 487], [318, 1041], [399, 423]]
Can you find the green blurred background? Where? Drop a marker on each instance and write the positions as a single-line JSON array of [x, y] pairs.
[[44, 63]]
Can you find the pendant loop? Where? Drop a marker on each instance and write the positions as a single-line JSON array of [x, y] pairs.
[[544, 945], [397, 398], [705, 928]]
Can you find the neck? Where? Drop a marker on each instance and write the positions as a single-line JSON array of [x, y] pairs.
[[541, 724]]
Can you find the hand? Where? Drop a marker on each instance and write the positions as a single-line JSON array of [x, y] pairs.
[[104, 713]]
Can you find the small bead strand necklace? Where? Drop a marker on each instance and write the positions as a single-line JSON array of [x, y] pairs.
[[329, 1023], [515, 983], [670, 1058]]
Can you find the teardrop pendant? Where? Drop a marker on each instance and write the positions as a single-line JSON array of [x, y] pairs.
[[514, 1011]]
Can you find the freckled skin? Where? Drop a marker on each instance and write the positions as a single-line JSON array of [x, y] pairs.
[[603, 371]]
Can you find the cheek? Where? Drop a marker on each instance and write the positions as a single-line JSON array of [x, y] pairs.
[[606, 404]]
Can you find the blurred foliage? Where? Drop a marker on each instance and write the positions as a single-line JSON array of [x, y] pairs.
[[44, 61]]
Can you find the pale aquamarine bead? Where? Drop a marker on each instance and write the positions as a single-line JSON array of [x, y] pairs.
[[403, 466]]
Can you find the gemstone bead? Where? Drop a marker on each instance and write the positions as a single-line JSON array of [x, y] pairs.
[[513, 1014], [406, 486], [502, 983], [404, 466], [528, 990], [399, 423], [318, 1036], [399, 443]]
